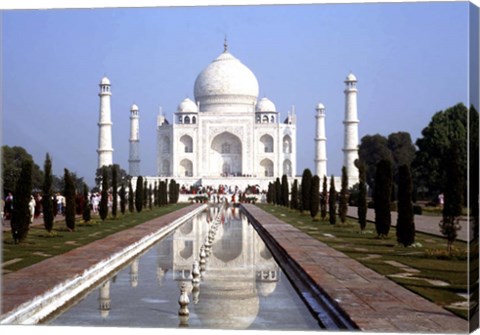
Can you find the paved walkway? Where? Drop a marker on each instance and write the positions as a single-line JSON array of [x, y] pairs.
[[372, 301], [423, 223], [23, 285]]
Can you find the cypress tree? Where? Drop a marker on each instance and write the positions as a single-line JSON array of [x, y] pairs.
[[324, 198], [381, 197], [150, 195], [405, 222], [69, 193], [47, 195], [139, 194], [21, 214], [86, 215], [114, 191], [131, 198], [177, 192], [145, 193], [155, 195], [103, 210], [278, 192], [171, 191], [343, 201], [315, 196], [294, 200], [162, 193], [362, 195], [269, 194], [305, 188], [123, 199], [332, 202], [285, 191]]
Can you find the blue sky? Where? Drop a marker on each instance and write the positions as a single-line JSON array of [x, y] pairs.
[[410, 59]]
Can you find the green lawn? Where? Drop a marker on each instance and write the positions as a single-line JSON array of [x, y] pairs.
[[436, 276], [40, 245]]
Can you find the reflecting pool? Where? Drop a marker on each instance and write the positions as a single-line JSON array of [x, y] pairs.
[[240, 285]]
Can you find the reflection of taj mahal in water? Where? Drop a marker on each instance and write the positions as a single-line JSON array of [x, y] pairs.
[[240, 271]]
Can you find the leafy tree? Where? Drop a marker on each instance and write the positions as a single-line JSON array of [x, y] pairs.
[[20, 220], [332, 197], [381, 197], [362, 195], [47, 195], [139, 194], [163, 193], [156, 195], [114, 190], [405, 222], [324, 198], [86, 215], [69, 194], [343, 201], [306, 186], [402, 149], [59, 183], [270, 193], [145, 193], [294, 200], [131, 197], [12, 159], [121, 174], [446, 127], [103, 210], [278, 192], [373, 149], [150, 197], [473, 179], [315, 196], [171, 191], [123, 199], [285, 191]]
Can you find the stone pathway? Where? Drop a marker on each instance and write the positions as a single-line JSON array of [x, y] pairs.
[[372, 301]]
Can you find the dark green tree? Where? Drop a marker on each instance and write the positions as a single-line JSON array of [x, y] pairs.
[[324, 198], [47, 195], [314, 197], [294, 200], [403, 151], [381, 197], [362, 195], [145, 193], [473, 179], [163, 193], [405, 219], [123, 199], [156, 195], [86, 215], [69, 194], [373, 149], [131, 197], [114, 190], [171, 191], [121, 175], [332, 199], [20, 220], [12, 160], [103, 210], [285, 191], [270, 193], [150, 197], [278, 192], [305, 189], [343, 200], [139, 194]]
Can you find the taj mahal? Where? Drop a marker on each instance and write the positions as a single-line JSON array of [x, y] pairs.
[[227, 134]]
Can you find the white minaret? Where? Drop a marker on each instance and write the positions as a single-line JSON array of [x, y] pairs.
[[134, 156], [350, 148], [320, 143], [105, 150]]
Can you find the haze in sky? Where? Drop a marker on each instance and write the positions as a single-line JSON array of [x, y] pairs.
[[410, 59]]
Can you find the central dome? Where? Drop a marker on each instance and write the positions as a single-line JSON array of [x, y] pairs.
[[226, 80]]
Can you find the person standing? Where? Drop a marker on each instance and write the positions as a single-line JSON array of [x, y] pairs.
[[31, 207]]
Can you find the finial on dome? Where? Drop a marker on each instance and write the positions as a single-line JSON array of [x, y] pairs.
[[225, 44]]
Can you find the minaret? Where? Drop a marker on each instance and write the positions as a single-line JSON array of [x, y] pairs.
[[104, 299], [350, 148], [105, 150], [134, 156], [320, 143]]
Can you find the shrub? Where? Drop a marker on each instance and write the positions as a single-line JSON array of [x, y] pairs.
[[69, 193], [21, 214]]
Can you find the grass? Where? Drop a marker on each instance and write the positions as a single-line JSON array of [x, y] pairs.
[[427, 257], [40, 245]]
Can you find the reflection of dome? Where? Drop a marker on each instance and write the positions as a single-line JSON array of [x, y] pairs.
[[104, 313], [266, 288], [226, 79], [265, 106], [187, 106]]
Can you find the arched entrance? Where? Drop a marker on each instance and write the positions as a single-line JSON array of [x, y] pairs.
[[226, 155]]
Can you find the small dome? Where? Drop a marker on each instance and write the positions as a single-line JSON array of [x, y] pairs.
[[320, 106], [134, 108], [105, 81], [265, 105], [187, 106], [351, 77]]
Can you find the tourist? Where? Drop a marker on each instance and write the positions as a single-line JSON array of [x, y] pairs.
[[8, 208], [31, 208]]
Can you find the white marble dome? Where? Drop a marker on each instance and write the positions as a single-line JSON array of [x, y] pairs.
[[187, 106], [320, 106], [226, 80], [134, 108], [105, 81], [351, 77], [265, 105]]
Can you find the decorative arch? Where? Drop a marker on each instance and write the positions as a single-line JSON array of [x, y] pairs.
[[267, 166], [194, 119], [226, 155], [187, 143], [186, 168], [166, 144], [266, 143], [186, 120], [287, 144], [287, 168]]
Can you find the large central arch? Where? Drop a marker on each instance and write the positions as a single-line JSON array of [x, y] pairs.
[[225, 155]]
